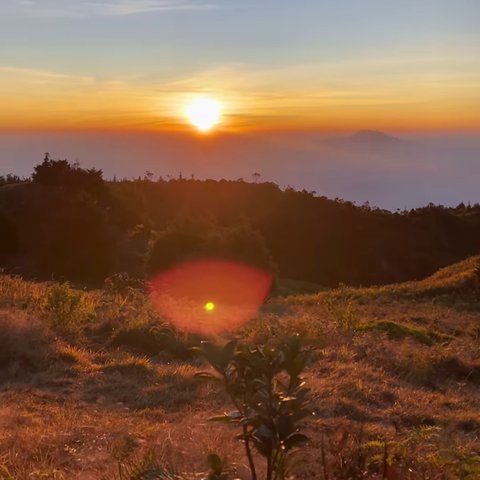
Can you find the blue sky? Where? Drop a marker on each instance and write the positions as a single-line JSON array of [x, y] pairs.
[[116, 36]]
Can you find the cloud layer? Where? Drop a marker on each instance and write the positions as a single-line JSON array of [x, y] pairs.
[[102, 8]]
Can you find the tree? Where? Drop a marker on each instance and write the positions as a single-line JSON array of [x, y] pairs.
[[9, 243], [77, 241], [193, 240], [62, 173]]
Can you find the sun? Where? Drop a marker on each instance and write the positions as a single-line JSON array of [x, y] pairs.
[[204, 113]]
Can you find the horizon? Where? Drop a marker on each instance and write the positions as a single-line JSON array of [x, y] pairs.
[[106, 80], [425, 168]]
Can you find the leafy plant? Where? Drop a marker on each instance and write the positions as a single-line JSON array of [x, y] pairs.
[[265, 385], [64, 305]]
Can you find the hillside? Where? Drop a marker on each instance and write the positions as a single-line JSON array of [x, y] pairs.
[[87, 381], [458, 282], [69, 224]]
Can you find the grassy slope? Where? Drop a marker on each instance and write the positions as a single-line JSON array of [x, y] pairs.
[[85, 380]]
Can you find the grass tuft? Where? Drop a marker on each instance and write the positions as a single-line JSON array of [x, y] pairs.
[[397, 331]]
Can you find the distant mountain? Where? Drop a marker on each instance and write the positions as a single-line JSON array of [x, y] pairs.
[[370, 136], [371, 141]]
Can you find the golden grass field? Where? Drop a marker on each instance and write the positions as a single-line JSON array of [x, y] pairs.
[[93, 379]]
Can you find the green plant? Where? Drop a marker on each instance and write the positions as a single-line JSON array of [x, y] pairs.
[[217, 467], [265, 385], [65, 305], [345, 315]]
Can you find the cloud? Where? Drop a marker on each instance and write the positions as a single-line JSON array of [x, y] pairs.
[[99, 8], [22, 75]]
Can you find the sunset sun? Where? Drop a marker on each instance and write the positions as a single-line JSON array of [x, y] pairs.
[[204, 113]]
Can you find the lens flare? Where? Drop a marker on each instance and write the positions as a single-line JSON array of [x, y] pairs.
[[209, 306], [239, 290]]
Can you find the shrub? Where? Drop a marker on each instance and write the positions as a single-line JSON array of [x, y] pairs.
[[123, 284], [145, 338], [66, 306], [270, 399]]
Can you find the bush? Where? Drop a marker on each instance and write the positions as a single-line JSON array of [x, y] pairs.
[[151, 339], [265, 385], [123, 284], [66, 306]]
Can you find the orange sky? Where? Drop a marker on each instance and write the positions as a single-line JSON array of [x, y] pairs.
[[264, 99], [321, 65]]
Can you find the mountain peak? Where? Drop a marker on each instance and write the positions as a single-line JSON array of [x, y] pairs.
[[374, 136], [371, 142]]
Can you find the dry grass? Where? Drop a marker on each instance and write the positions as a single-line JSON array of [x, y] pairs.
[[398, 364]]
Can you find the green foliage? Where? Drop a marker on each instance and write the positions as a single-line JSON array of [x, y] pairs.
[[422, 453], [73, 224], [66, 306], [217, 467], [345, 315], [465, 464], [418, 451], [265, 385]]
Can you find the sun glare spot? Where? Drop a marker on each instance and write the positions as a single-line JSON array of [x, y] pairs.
[[204, 113], [209, 306]]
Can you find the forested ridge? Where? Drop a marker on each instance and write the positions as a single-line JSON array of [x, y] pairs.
[[69, 223]]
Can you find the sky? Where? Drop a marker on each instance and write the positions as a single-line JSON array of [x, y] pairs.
[[316, 65]]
